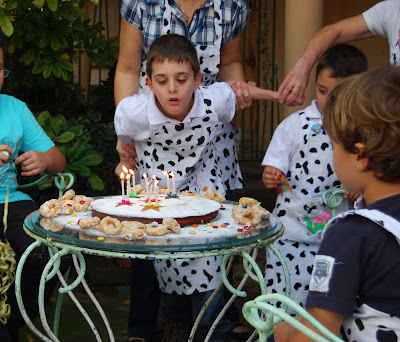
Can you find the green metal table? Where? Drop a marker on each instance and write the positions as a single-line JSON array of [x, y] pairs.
[[245, 244]]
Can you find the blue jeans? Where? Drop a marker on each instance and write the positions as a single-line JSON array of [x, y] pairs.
[[185, 309]]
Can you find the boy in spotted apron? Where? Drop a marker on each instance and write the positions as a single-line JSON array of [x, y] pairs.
[[301, 150], [354, 284], [174, 129]]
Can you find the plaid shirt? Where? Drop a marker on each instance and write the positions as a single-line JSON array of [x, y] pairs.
[[147, 16]]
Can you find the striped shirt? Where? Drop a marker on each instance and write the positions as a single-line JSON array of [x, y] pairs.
[[147, 16]]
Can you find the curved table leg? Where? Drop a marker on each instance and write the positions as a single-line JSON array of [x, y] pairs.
[[252, 270], [52, 268], [18, 292]]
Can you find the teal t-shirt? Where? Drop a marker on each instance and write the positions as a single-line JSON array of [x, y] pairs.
[[19, 130]]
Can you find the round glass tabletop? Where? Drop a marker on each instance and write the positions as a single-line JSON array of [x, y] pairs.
[[202, 238]]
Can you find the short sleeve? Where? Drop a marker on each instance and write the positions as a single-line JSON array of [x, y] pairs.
[[283, 144], [131, 119], [131, 11], [337, 267], [224, 100], [376, 17], [33, 138], [239, 16]]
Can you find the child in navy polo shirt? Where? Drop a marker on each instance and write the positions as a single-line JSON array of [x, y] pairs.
[[356, 273]]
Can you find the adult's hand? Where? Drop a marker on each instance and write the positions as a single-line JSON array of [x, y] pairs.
[[291, 91], [127, 155]]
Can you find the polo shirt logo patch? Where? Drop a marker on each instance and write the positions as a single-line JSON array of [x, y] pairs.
[[322, 273]]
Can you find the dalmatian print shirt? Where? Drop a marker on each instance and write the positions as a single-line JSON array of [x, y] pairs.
[[302, 150], [357, 271]]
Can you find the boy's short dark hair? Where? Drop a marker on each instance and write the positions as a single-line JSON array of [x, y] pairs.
[[173, 47], [344, 60], [365, 109]]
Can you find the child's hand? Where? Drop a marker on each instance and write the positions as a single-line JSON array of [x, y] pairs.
[[241, 90], [32, 162], [270, 177], [5, 153], [352, 196]]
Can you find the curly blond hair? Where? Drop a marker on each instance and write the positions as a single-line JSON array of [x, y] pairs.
[[366, 109]]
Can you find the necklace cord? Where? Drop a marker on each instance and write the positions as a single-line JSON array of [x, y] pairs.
[[187, 17]]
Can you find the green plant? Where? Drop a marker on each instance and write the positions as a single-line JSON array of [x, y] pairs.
[[8, 7], [74, 142], [47, 44], [46, 41]]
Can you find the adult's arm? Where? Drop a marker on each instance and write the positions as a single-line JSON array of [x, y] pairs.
[[231, 69], [126, 82], [295, 83], [127, 73], [284, 332]]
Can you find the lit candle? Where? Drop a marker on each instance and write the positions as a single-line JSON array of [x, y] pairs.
[[155, 182], [133, 180], [151, 192], [173, 181], [147, 184], [128, 184], [167, 174], [122, 186], [156, 191]]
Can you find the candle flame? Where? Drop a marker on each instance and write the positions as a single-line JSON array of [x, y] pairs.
[[171, 173], [128, 176], [122, 176], [131, 172], [154, 177], [124, 169], [166, 173], [145, 175]]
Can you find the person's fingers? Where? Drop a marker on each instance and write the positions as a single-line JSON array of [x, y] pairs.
[[132, 163]]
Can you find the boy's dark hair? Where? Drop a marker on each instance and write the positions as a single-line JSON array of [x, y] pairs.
[[365, 109], [344, 60], [173, 47]]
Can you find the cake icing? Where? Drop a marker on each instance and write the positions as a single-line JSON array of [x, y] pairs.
[[138, 208]]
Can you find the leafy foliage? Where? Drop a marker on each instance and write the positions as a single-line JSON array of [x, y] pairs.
[[47, 43], [74, 142], [8, 7]]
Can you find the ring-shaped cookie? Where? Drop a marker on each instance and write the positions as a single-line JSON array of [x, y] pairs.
[[110, 225]]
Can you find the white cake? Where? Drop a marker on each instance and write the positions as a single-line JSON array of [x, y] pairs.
[[187, 210]]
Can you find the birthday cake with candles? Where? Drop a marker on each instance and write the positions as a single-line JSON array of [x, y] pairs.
[[140, 214], [186, 210]]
